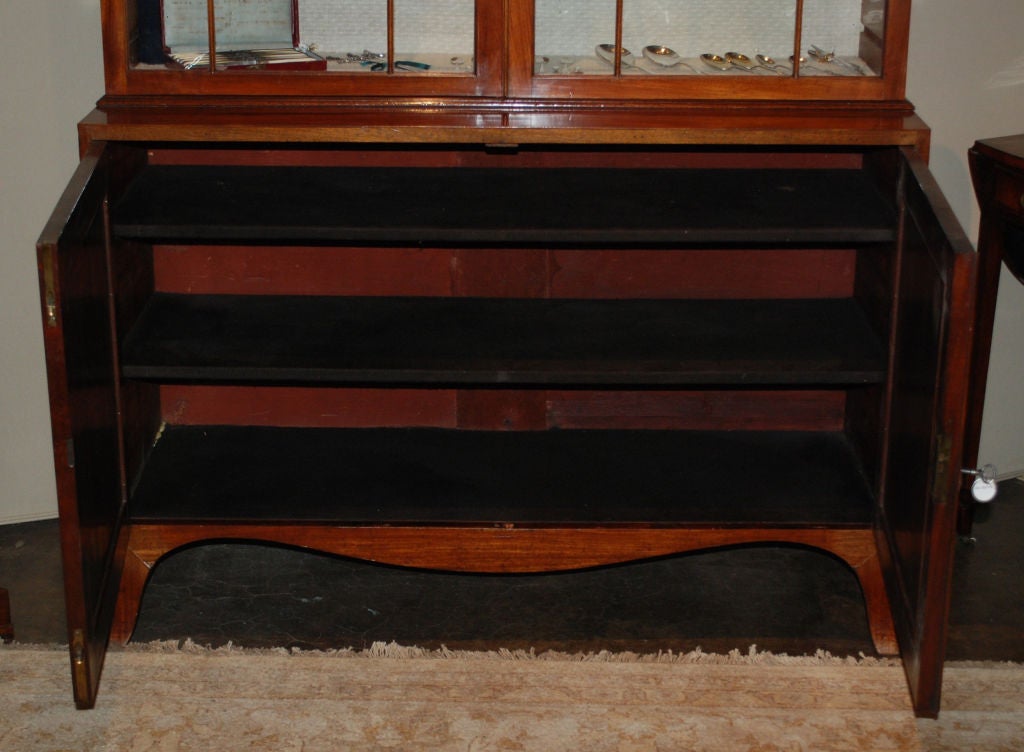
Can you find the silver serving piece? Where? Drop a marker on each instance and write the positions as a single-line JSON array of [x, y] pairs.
[[607, 53]]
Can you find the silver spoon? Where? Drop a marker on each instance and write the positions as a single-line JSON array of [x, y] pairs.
[[741, 61], [770, 64], [662, 55], [716, 61], [607, 53], [665, 57]]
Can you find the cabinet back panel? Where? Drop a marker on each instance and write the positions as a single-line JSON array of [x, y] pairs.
[[504, 409], [709, 274], [526, 156]]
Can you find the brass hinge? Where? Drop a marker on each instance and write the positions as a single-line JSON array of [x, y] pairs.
[[49, 287], [940, 482], [79, 668]]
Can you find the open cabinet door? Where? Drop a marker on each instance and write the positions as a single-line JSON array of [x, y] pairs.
[[934, 303], [81, 368]]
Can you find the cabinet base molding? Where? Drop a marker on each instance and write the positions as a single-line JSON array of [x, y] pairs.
[[505, 549]]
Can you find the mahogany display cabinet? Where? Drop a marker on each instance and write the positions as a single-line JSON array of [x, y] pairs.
[[497, 288]]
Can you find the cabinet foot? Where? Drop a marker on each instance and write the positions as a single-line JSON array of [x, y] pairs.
[[876, 599], [129, 596]]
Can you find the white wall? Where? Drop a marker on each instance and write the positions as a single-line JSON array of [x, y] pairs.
[[50, 76], [966, 78]]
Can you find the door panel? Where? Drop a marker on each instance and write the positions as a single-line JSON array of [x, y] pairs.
[[72, 255], [918, 508]]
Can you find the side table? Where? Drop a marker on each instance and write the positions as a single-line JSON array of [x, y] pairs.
[[997, 170]]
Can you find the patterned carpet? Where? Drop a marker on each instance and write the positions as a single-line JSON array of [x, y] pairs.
[[165, 698]]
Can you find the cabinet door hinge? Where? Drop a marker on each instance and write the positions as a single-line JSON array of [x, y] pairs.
[[79, 669], [940, 481], [49, 287]]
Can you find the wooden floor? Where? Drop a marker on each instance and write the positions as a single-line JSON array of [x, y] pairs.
[[782, 599]]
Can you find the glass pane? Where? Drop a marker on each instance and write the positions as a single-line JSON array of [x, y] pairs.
[[338, 28], [255, 35], [843, 37], [253, 25], [667, 37], [249, 35], [429, 37], [723, 37], [720, 38], [435, 33], [351, 35], [177, 32], [568, 33]]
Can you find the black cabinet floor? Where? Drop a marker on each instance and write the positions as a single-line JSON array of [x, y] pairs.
[[783, 599]]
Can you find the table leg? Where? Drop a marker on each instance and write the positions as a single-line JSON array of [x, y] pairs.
[[6, 628]]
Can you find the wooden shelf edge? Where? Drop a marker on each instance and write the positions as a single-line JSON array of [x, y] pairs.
[[437, 477], [604, 342], [677, 124], [269, 104]]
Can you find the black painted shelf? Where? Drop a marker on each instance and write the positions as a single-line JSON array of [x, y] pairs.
[[432, 476], [592, 207], [496, 342]]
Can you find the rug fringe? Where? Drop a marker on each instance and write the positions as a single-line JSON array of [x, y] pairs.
[[396, 651]]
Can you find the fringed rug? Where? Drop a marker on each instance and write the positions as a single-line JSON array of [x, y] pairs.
[[166, 697]]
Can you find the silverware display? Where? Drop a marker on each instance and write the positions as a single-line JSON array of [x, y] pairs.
[[819, 61]]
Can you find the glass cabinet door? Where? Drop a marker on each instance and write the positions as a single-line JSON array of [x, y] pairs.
[[448, 47], [703, 48]]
